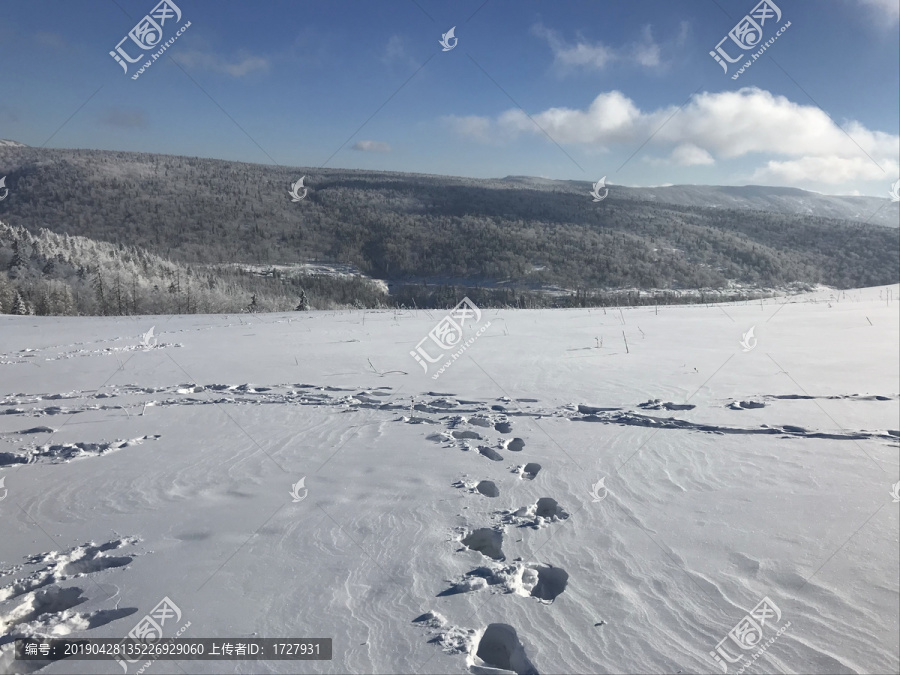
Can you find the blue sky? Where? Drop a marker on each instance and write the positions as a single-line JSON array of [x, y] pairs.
[[566, 90]]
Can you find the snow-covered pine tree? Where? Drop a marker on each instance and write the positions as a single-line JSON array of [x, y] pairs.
[[44, 305], [18, 262], [19, 306], [6, 295], [303, 304]]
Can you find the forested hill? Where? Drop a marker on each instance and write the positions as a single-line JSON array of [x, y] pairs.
[[410, 227], [784, 200], [52, 274]]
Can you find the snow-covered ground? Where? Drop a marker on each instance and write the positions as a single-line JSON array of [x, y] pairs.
[[553, 503]]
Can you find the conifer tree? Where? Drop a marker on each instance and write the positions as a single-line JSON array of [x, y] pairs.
[[101, 295], [19, 307], [18, 262], [303, 304]]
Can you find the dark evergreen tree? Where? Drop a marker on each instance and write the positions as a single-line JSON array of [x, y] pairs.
[[17, 264], [303, 304], [101, 293], [19, 306]]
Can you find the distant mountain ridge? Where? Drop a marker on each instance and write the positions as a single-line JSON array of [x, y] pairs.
[[783, 200], [422, 231]]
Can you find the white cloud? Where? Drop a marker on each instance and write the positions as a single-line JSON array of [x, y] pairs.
[[886, 10], [830, 170], [594, 56], [646, 52], [471, 126], [372, 146], [396, 54], [752, 120], [205, 60], [597, 56], [611, 117], [726, 125], [688, 154]]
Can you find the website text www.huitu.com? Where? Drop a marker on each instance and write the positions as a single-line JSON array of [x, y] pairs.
[[764, 47], [178, 634], [468, 343], [763, 648], [165, 46]]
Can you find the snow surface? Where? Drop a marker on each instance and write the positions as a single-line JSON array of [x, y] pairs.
[[457, 525]]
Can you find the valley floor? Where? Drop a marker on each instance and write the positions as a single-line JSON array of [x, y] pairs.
[[581, 491]]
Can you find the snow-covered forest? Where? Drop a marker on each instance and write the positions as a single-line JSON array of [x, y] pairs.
[[54, 274], [433, 238]]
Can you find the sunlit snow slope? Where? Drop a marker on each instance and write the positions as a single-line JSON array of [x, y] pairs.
[[553, 503]]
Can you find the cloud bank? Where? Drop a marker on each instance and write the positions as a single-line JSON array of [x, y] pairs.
[[798, 142]]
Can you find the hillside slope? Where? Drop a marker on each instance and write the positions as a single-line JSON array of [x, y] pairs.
[[413, 228], [782, 200], [52, 274]]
